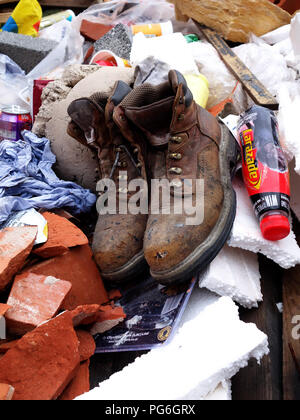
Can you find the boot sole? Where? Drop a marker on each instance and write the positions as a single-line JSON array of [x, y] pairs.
[[204, 254], [135, 267]]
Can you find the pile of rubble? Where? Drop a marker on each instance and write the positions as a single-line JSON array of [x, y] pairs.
[[56, 298], [57, 293]]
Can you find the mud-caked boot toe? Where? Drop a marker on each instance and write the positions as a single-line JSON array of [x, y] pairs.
[[118, 246]]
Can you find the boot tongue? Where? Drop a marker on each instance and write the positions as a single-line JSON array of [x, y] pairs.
[[121, 90], [151, 108], [176, 80]]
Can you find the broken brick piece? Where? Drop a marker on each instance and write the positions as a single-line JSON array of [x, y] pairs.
[[6, 392], [43, 362], [84, 314], [79, 385], [3, 309], [107, 318], [4, 347], [62, 235], [87, 345], [79, 268], [114, 294], [34, 299], [15, 245], [92, 31]]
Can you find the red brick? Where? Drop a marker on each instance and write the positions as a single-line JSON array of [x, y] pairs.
[[15, 246], [34, 299], [3, 309], [79, 268], [7, 345], [43, 362], [84, 314], [114, 295], [93, 31], [6, 392], [79, 385], [62, 235], [107, 318], [87, 345]]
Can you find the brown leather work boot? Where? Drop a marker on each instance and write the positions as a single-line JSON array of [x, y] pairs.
[[186, 144], [118, 238]]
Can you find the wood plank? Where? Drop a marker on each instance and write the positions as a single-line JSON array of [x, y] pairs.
[[255, 89], [264, 382], [4, 17], [291, 335], [7, 1]]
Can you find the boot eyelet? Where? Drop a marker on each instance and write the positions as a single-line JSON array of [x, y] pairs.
[[123, 190], [136, 151], [139, 165], [118, 149], [176, 139], [177, 171], [122, 165], [176, 156], [181, 117]]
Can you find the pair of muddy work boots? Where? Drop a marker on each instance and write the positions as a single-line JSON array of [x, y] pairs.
[[165, 194]]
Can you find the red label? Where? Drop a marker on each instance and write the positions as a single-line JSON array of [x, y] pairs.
[[258, 174]]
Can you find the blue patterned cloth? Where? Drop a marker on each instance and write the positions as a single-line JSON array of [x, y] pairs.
[[28, 181]]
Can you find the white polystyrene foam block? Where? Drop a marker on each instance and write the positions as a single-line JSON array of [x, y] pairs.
[[211, 346], [221, 393], [234, 273], [246, 233], [171, 49]]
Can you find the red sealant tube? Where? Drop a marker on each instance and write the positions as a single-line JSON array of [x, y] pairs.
[[265, 171]]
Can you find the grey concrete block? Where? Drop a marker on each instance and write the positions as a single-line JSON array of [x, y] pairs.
[[118, 40], [26, 51]]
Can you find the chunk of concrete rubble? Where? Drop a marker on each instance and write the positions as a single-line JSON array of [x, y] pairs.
[[15, 245], [234, 273], [79, 268], [211, 346], [246, 233], [87, 345], [43, 362], [6, 392], [34, 299], [75, 162], [62, 235], [118, 40], [79, 385]]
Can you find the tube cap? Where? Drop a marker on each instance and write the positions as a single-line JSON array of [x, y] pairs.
[[275, 227]]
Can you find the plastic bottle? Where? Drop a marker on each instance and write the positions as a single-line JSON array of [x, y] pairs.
[[153, 29], [265, 171]]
